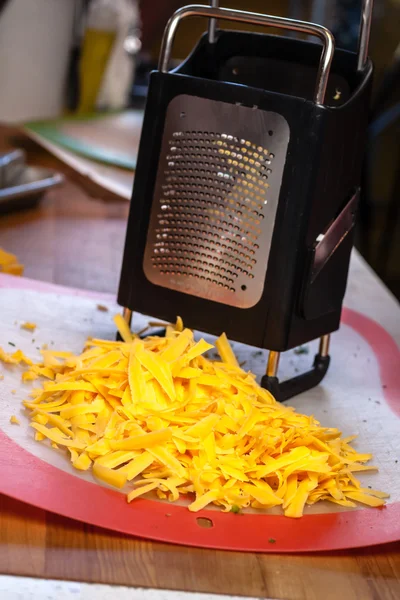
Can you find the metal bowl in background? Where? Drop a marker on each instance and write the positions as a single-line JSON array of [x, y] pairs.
[[22, 186]]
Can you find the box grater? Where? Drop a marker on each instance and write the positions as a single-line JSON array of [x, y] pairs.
[[246, 189]]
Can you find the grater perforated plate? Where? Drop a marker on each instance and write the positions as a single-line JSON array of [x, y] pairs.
[[215, 199]]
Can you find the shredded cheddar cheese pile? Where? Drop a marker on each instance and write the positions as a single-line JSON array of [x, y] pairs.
[[158, 415], [9, 264]]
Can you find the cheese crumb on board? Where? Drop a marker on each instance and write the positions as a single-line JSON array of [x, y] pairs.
[[156, 415], [14, 420], [102, 308], [28, 326]]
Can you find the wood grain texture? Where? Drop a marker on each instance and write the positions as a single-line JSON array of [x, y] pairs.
[[35, 543], [76, 239]]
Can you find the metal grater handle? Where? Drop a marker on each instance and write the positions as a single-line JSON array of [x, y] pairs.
[[212, 25], [364, 36], [365, 30], [196, 10]]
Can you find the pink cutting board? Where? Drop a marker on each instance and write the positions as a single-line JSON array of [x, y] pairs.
[[360, 395]]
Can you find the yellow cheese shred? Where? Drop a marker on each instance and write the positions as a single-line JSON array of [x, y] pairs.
[[110, 476], [9, 263], [123, 328], [157, 416], [225, 351], [28, 326]]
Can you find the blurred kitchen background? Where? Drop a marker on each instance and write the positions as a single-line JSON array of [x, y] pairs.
[[74, 77]]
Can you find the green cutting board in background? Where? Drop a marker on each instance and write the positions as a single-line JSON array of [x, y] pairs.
[[111, 139]]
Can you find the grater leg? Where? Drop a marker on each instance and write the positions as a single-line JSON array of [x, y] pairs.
[[302, 383], [127, 314], [273, 364], [324, 343]]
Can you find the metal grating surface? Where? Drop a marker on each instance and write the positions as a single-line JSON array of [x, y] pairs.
[[215, 200]]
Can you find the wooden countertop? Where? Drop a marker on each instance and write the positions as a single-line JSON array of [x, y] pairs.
[[75, 239]]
